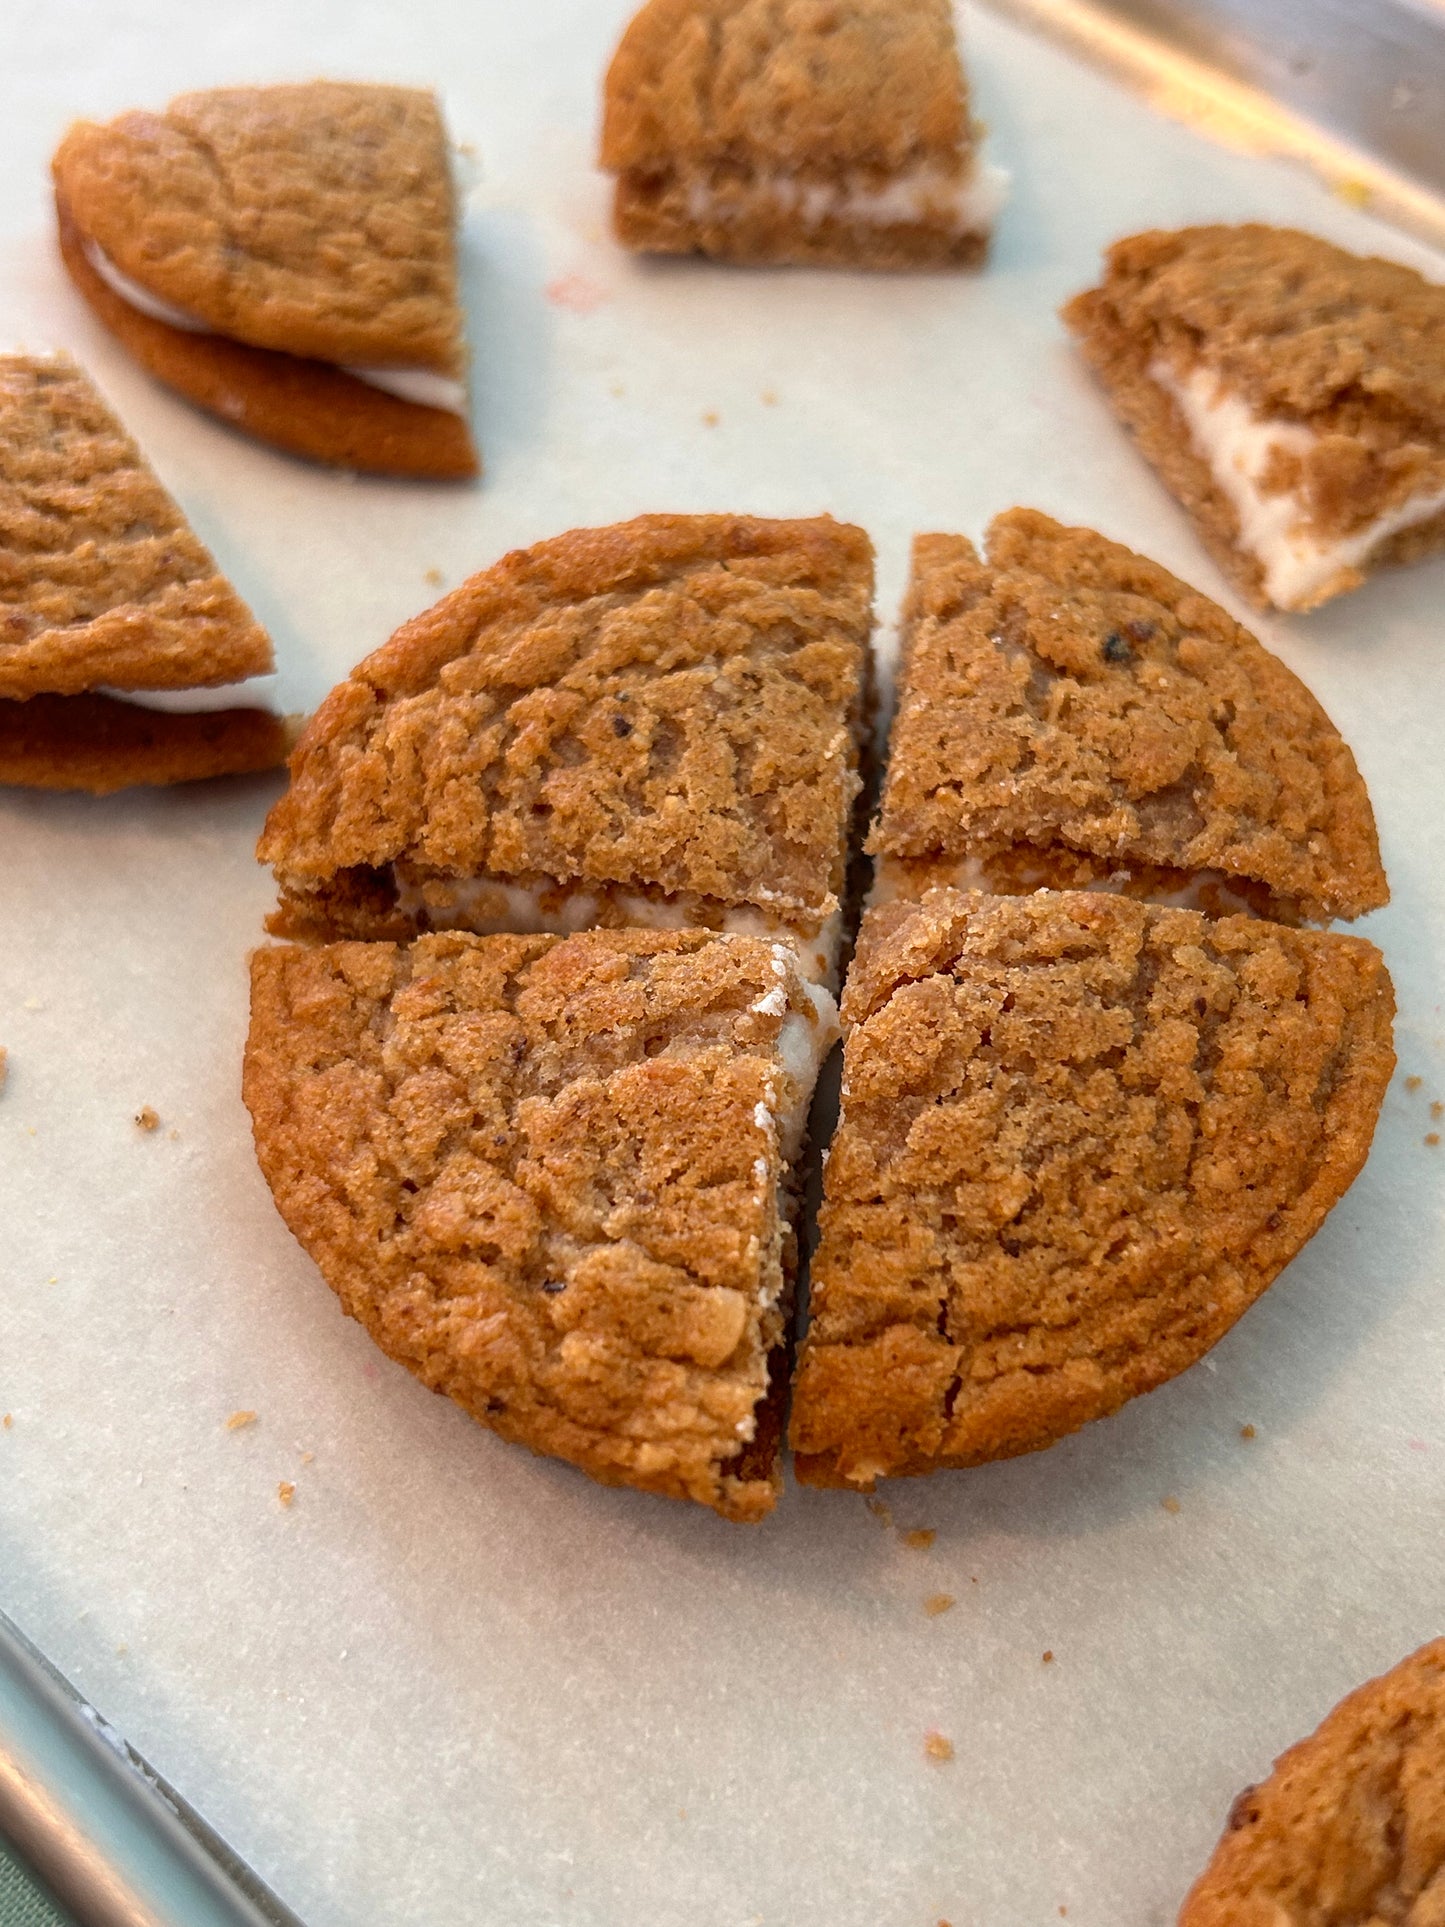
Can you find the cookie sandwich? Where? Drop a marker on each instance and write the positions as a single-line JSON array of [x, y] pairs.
[[1289, 394], [837, 134], [284, 257], [125, 655]]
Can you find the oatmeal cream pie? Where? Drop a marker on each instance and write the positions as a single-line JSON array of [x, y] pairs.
[[835, 132], [285, 257], [1080, 1135], [1291, 395], [551, 1176], [1073, 716], [1349, 1829], [652, 724], [124, 653]]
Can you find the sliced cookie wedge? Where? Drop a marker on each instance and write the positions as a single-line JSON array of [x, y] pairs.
[[285, 257], [1073, 716], [651, 724], [1350, 1826], [1080, 1135], [111, 611], [551, 1177], [795, 131], [1291, 395]]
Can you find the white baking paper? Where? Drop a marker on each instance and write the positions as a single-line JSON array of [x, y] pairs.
[[454, 1684]]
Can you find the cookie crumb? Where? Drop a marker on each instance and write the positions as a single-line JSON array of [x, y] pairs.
[[7, 1422], [1170, 1504], [1247, 1432], [239, 1419], [1432, 1137], [710, 418], [173, 1134], [938, 1746], [434, 576], [938, 1602], [770, 398], [1049, 1657], [285, 1492], [146, 1118], [308, 1458], [920, 1538], [879, 1510], [1413, 1083]]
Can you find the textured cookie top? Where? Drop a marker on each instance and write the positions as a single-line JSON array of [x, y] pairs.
[[787, 85], [1297, 327], [668, 704], [544, 1173], [1350, 1826], [317, 220], [1069, 692], [101, 581], [1079, 1136]]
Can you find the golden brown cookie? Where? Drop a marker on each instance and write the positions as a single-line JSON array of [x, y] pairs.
[[1080, 1135], [826, 131], [1291, 395], [275, 253], [652, 723], [550, 1176], [101, 743], [1073, 715], [1349, 1829]]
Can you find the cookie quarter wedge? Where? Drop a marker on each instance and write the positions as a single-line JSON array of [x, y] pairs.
[[1289, 394], [551, 1177], [1072, 715], [656, 723], [835, 132], [1350, 1826], [1080, 1135], [110, 608], [285, 257]]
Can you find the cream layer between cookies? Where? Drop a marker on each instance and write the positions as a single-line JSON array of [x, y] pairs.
[[257, 693], [967, 202], [495, 906], [1208, 890], [1301, 569], [804, 1041], [421, 385]]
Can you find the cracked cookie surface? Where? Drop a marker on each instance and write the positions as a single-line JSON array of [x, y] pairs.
[[1073, 713], [547, 1176], [1349, 1828], [1080, 1135]]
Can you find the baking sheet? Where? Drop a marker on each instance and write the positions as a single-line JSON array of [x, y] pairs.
[[452, 1683]]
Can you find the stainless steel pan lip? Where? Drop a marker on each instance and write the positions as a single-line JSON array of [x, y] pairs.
[[118, 1846]]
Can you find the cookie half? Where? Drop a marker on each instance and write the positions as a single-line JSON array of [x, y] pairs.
[[835, 134], [1350, 1826], [1073, 716], [1291, 395], [286, 258], [1080, 1135], [108, 604], [551, 1177], [651, 724]]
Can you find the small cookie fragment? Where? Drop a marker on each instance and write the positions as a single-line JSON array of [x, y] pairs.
[[651, 724], [103, 586], [832, 132], [285, 257], [1289, 394], [551, 1177], [1072, 715], [1350, 1826], [1080, 1135]]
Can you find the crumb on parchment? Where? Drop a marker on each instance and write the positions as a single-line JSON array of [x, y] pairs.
[[1170, 1504], [239, 1420], [286, 1492], [938, 1746], [938, 1602], [919, 1539], [146, 1118], [1247, 1432]]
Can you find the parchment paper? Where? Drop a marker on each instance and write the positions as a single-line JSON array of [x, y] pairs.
[[456, 1684]]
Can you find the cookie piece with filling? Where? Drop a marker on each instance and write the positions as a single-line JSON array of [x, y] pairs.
[[655, 723], [284, 257], [1080, 1135], [1291, 395], [1073, 716], [1350, 1826], [551, 1176], [835, 132], [112, 613]]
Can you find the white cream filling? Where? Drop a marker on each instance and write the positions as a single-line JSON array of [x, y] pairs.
[[493, 906], [421, 385], [256, 693], [970, 201], [1300, 568]]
